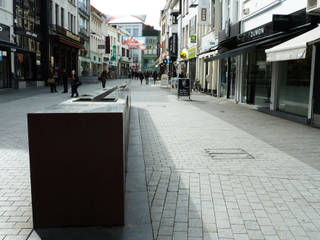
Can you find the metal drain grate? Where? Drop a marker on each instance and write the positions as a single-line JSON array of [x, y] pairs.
[[228, 153]]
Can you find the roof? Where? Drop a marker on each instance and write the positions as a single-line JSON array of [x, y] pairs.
[[125, 19]]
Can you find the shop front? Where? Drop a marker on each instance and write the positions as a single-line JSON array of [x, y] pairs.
[[64, 49], [5, 57], [192, 65], [28, 59], [294, 84]]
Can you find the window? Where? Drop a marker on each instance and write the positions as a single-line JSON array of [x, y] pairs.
[[57, 14], [2, 3], [123, 52], [74, 24], [213, 13], [136, 32], [69, 21], [62, 17]]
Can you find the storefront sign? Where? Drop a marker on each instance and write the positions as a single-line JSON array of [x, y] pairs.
[[4, 33], [192, 53], [173, 44], [193, 38], [72, 36], [101, 46], [281, 22], [114, 51], [32, 34], [184, 87], [204, 12], [208, 41]]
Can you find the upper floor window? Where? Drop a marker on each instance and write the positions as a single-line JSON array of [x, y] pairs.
[[213, 13], [2, 3], [57, 14], [135, 32], [62, 17]]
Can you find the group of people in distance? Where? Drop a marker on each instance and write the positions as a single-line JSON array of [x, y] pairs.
[[63, 76], [145, 75]]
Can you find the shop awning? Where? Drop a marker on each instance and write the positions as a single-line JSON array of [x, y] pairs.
[[295, 48], [232, 53], [71, 44]]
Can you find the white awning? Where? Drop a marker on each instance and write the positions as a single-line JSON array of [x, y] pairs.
[[295, 48]]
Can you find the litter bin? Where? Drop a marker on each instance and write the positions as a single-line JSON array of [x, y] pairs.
[[77, 162]]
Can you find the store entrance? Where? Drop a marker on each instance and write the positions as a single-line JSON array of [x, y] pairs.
[[259, 75], [4, 70]]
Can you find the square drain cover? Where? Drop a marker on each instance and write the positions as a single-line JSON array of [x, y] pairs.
[[228, 153]]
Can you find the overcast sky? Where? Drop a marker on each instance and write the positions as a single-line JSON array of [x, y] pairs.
[[151, 8]]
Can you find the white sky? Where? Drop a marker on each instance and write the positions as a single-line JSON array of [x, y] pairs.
[[151, 8]]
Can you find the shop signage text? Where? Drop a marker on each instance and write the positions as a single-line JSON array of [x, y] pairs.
[[32, 34], [173, 44], [72, 36], [281, 22], [193, 38], [192, 53], [184, 87], [204, 12], [4, 33]]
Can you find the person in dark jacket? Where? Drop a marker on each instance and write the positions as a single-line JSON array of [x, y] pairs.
[[103, 78], [141, 76], [52, 81], [74, 84], [65, 80]]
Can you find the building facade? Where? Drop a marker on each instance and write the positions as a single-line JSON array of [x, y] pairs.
[[237, 54], [31, 45], [151, 54], [64, 41], [7, 45], [97, 41], [84, 33], [134, 26]]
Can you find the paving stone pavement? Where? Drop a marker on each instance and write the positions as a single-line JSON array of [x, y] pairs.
[[209, 179], [207, 176], [15, 195]]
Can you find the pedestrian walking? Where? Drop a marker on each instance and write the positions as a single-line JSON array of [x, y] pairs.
[[103, 78], [155, 75], [141, 76], [65, 80], [75, 83], [146, 75], [52, 81]]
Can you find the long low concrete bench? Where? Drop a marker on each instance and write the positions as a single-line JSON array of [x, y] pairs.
[[78, 152]]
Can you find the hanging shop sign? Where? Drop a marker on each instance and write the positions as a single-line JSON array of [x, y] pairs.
[[108, 45], [192, 53], [193, 38], [4, 33], [173, 44], [114, 51], [204, 12]]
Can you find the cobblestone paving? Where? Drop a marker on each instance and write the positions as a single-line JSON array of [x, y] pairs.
[[197, 194], [15, 195]]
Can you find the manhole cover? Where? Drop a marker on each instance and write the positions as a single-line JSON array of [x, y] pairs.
[[228, 153]]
